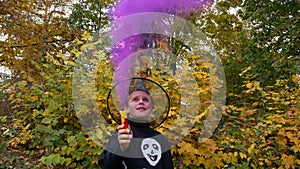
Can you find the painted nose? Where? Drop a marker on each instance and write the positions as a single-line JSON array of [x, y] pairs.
[[141, 102]]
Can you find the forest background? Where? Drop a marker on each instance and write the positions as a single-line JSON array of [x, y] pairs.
[[257, 41]]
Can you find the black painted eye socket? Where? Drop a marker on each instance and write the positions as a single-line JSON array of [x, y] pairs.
[[155, 146], [146, 146]]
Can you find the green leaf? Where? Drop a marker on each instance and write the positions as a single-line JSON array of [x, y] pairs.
[[49, 141], [68, 161]]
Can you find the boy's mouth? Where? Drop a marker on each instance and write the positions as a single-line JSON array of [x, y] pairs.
[[141, 108]]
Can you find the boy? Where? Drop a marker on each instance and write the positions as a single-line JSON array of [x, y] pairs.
[[138, 146]]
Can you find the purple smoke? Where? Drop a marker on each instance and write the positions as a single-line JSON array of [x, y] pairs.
[[121, 50], [127, 7]]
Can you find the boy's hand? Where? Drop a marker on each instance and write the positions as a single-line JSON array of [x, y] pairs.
[[124, 137]]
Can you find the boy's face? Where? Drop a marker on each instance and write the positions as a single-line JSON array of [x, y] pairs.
[[139, 105]]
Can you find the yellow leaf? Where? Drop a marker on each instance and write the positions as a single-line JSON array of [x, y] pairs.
[[187, 160], [289, 135], [296, 148], [75, 52], [60, 55], [86, 36], [199, 161], [243, 155], [253, 165], [65, 120], [288, 161], [11, 97], [56, 62], [78, 42], [256, 84], [281, 140], [234, 159], [69, 63], [231, 94], [185, 147], [249, 85], [295, 78], [49, 93], [217, 162], [226, 158], [33, 98], [250, 149]]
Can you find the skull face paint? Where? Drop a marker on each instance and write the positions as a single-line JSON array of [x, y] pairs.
[[151, 150]]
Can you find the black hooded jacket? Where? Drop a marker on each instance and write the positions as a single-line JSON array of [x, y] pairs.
[[148, 149]]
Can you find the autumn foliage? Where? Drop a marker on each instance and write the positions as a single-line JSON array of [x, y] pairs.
[[42, 128]]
